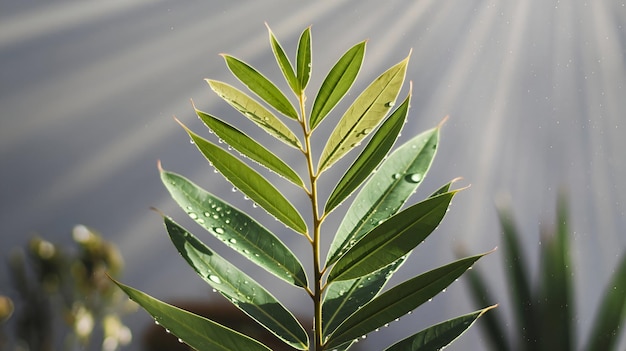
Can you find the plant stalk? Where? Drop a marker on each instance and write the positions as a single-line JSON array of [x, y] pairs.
[[315, 243]]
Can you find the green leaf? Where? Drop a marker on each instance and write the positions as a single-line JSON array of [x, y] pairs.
[[283, 63], [518, 278], [249, 147], [370, 157], [255, 112], [386, 191], [555, 313], [437, 337], [239, 288], [492, 324], [303, 63], [198, 332], [261, 86], [392, 239], [399, 300], [611, 314], [363, 115], [337, 83], [251, 183], [235, 229], [342, 298]]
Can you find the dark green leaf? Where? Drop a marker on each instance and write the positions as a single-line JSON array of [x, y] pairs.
[[373, 153], [255, 112], [611, 315], [392, 239], [249, 147], [437, 337], [239, 288], [363, 115], [398, 301], [261, 86], [283, 63], [303, 64], [518, 278], [235, 229], [342, 298], [386, 191], [555, 313], [197, 332], [251, 183], [337, 83]]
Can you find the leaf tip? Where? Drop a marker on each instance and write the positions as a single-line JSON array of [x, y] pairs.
[[159, 167], [443, 121], [157, 211]]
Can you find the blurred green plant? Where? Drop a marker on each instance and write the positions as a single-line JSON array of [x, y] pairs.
[[371, 243], [56, 287], [544, 311]]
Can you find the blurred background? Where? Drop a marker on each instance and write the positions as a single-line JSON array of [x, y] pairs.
[[534, 90]]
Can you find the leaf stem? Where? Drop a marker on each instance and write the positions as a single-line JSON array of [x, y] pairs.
[[317, 221]]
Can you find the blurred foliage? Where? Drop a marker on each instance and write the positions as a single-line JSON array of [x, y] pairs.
[[544, 311], [64, 294]]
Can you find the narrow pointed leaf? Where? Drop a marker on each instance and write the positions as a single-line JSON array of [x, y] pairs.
[[392, 239], [386, 191], [373, 153], [283, 63], [437, 337], [399, 300], [337, 83], [364, 114], [492, 324], [244, 292], [261, 86], [249, 147], [251, 183], [235, 229], [255, 112], [198, 332], [555, 313], [611, 314], [303, 57], [342, 298], [518, 277]]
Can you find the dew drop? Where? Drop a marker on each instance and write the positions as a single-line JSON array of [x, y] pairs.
[[218, 230], [246, 252], [255, 205], [234, 190], [214, 290], [167, 331], [386, 325], [363, 336], [193, 215], [215, 279], [389, 104], [180, 340], [191, 141], [413, 178], [201, 220], [396, 176], [397, 319], [232, 240], [156, 322], [206, 214]]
